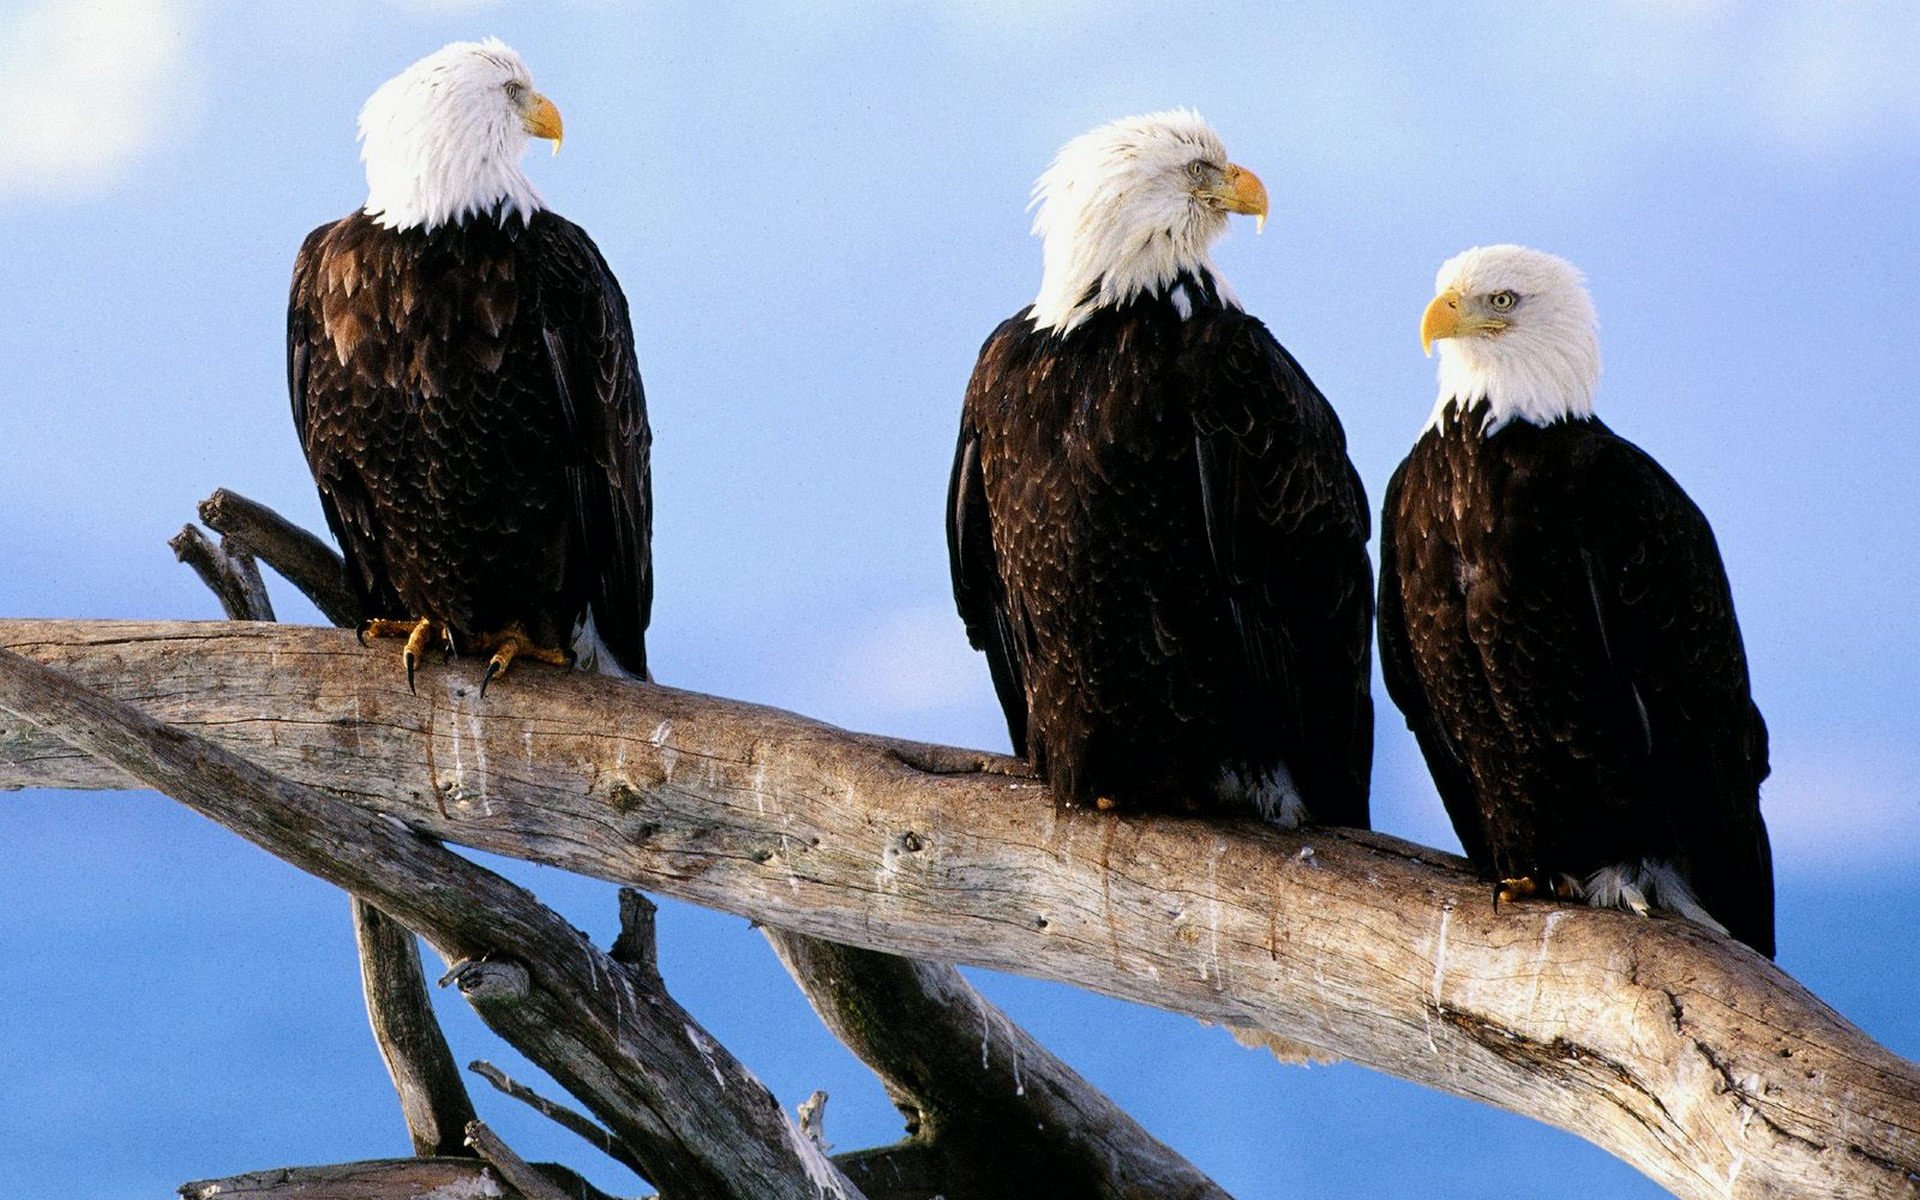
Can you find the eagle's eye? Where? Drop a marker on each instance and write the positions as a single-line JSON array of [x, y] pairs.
[[1197, 169], [514, 90], [1503, 301]]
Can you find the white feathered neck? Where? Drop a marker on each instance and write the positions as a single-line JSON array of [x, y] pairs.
[[442, 140], [1117, 217], [1545, 366]]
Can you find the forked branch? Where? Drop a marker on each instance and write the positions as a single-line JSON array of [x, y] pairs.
[[974, 1133], [704, 1128]]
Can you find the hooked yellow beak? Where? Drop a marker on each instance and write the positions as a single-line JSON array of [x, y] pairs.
[[1241, 191], [543, 120], [1441, 320]]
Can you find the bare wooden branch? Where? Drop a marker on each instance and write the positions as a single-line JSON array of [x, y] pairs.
[[999, 1114], [298, 556], [813, 1118], [515, 1170], [704, 1126], [1681, 1052], [559, 1114], [228, 570], [636, 947], [433, 1099], [1117, 1172], [386, 1179]]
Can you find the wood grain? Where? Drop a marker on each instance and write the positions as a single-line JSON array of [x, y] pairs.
[[1679, 1051]]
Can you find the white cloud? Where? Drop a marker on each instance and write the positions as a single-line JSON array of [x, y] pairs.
[[1841, 73], [1795, 77], [92, 87], [911, 660], [1836, 809]]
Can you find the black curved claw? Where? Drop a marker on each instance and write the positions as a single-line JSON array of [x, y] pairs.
[[573, 659], [1499, 888], [360, 632], [408, 656], [493, 668]]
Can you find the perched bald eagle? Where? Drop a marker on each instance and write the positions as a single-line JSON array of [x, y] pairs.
[[1557, 627], [465, 389], [1154, 531]]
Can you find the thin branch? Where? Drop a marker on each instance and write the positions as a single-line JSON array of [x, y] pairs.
[[432, 1098], [574, 1122], [228, 571], [704, 1126], [1683, 1053], [299, 557], [514, 1169]]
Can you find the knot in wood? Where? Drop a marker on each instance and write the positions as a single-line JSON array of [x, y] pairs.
[[489, 980]]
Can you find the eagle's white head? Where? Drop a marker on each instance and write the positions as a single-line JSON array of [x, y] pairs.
[[1517, 329], [442, 139], [1127, 207]]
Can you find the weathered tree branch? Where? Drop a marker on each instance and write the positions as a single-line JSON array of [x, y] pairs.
[[1681, 1052], [296, 555], [518, 1173], [433, 1100], [228, 570], [559, 1114], [980, 1143], [996, 1113], [385, 1179], [703, 1126]]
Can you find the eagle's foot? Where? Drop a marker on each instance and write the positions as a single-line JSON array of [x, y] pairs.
[[1519, 888], [1560, 887], [511, 643], [418, 634]]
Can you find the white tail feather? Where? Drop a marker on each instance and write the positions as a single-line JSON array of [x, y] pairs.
[[1645, 885], [1274, 795]]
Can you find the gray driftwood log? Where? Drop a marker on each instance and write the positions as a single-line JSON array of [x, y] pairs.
[[1685, 1054], [700, 1123], [385, 1179], [433, 1100], [973, 1134]]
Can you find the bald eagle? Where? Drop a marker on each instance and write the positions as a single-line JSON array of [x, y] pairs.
[[1557, 627], [464, 386], [1154, 531]]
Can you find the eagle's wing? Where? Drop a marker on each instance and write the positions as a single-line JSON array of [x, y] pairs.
[[317, 384], [1287, 522], [589, 343], [1399, 667], [590, 348], [1666, 618], [978, 590]]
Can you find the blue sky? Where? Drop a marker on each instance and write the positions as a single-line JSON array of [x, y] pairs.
[[818, 212]]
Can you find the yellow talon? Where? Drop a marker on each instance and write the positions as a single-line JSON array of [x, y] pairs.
[[511, 643], [1514, 889], [418, 634]]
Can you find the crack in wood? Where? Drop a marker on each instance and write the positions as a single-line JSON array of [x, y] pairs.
[[1554, 1055]]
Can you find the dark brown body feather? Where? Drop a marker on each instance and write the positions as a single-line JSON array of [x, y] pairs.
[[469, 402], [1158, 541], [1557, 627]]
